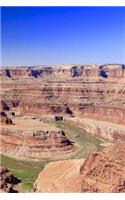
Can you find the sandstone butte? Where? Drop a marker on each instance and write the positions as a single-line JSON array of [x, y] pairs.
[[89, 96]]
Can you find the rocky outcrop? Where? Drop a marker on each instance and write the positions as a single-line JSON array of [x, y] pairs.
[[60, 176], [93, 93], [8, 182], [56, 89], [89, 96], [5, 119], [101, 129], [102, 171], [32, 139], [37, 148]]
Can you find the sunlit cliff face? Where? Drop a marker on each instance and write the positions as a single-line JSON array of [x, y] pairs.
[[86, 90], [89, 96]]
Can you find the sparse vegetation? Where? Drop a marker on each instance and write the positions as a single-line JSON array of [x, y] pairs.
[[26, 171]]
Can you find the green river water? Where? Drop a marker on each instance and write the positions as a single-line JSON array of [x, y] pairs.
[[28, 171]]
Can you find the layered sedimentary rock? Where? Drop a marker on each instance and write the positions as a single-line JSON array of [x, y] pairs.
[[8, 182], [32, 139], [102, 129], [88, 92], [82, 89], [90, 96], [102, 171]]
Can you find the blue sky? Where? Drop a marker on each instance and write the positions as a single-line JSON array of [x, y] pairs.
[[62, 35]]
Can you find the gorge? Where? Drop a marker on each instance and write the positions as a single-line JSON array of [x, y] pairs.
[[54, 113]]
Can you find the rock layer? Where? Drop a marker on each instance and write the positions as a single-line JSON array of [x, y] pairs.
[[93, 94], [102, 171], [36, 142], [87, 93]]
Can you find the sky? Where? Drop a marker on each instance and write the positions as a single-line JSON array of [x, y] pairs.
[[62, 35]]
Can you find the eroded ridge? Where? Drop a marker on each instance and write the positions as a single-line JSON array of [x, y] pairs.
[[102, 171], [89, 96]]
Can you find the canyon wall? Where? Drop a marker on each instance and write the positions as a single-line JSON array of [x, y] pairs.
[[101, 171], [86, 91], [89, 96], [32, 139]]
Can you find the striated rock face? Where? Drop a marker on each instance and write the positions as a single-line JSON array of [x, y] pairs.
[[102, 171], [32, 139], [8, 182], [102, 129], [36, 148], [80, 88], [90, 96]]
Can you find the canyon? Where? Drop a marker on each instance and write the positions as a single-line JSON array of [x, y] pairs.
[[41, 107], [102, 171], [37, 142]]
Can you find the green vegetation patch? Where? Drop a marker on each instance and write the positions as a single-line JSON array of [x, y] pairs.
[[29, 171], [26, 171]]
